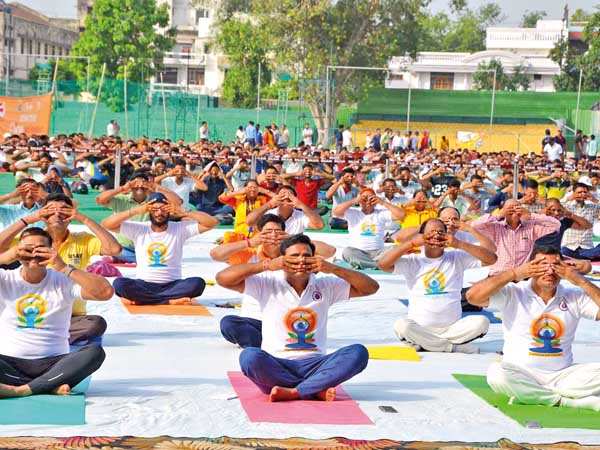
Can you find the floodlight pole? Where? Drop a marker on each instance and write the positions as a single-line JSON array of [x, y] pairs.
[[258, 95], [328, 92], [578, 98], [493, 98]]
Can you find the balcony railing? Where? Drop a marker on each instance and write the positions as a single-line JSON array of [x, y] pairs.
[[184, 59]]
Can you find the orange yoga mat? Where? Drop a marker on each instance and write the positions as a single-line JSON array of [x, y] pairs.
[[168, 310]]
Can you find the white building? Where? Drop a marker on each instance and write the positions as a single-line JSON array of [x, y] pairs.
[[527, 48], [192, 65]]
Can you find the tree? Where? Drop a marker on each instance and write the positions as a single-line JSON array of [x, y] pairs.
[[579, 15], [307, 36], [483, 78], [64, 74], [530, 18], [123, 33], [573, 61], [464, 33], [246, 47]]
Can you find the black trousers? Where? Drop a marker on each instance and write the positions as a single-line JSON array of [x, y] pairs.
[[44, 375]]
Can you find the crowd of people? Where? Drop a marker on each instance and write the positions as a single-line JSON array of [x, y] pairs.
[[424, 214]]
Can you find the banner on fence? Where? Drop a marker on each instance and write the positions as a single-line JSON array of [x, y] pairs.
[[29, 115], [469, 139]]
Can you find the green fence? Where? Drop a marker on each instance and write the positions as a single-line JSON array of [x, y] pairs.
[[172, 113], [473, 106]]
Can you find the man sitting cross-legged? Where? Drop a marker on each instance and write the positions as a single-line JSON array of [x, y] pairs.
[[539, 320], [435, 279], [245, 329], [159, 250], [34, 323], [292, 363], [75, 248]]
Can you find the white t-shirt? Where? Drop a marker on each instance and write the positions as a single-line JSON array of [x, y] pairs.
[[296, 223], [158, 254], [554, 151], [539, 335], [307, 134], [182, 190], [295, 327], [367, 231], [435, 285], [36, 317], [347, 138]]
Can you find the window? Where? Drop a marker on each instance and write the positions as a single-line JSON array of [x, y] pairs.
[[202, 13], [39, 48], [537, 76], [207, 48], [30, 46], [186, 50], [396, 77], [196, 76], [46, 49], [169, 76], [53, 50], [442, 81], [22, 45]]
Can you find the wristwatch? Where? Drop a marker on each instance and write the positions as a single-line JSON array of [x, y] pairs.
[[68, 270]]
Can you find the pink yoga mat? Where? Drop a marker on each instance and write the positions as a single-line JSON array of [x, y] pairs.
[[342, 411]]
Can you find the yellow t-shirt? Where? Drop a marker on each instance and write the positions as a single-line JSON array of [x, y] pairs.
[[77, 251], [415, 218], [242, 208]]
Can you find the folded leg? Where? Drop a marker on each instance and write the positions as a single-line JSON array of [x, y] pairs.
[[466, 329], [517, 382], [267, 371], [427, 338], [243, 331]]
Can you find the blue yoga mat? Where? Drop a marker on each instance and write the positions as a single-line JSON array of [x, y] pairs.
[[46, 409], [484, 312]]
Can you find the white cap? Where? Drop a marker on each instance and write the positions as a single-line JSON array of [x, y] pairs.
[[7, 135], [585, 180]]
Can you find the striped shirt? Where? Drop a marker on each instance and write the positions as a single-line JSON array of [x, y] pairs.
[[513, 246], [574, 239]]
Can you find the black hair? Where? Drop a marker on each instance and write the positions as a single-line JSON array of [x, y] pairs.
[[45, 155], [424, 225], [476, 177], [179, 162], [454, 182], [139, 174], [271, 167], [545, 250], [581, 185], [422, 191], [23, 181], [348, 170], [287, 187], [307, 165], [37, 231], [389, 179], [531, 184], [58, 197], [268, 218], [296, 239]]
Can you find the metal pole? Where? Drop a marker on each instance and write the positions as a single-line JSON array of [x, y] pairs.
[[253, 167], [493, 99], [54, 75], [198, 119], [93, 121], [258, 95], [327, 106], [118, 169], [408, 106], [578, 98], [516, 178], [87, 89], [162, 84], [126, 108]]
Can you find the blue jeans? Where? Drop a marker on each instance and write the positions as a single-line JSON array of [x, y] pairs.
[[156, 293], [213, 210], [309, 376], [593, 254], [243, 331], [127, 255]]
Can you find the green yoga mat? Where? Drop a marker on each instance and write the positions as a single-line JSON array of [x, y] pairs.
[[546, 416], [46, 409]]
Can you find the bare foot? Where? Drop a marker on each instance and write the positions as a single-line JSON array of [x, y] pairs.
[[128, 302], [63, 389], [281, 394], [181, 301], [328, 395], [8, 391]]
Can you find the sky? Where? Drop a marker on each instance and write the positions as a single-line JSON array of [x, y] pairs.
[[513, 9]]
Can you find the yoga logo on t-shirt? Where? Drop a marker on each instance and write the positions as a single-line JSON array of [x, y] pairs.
[[30, 311], [156, 254], [434, 282], [546, 332], [368, 229], [301, 323]]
